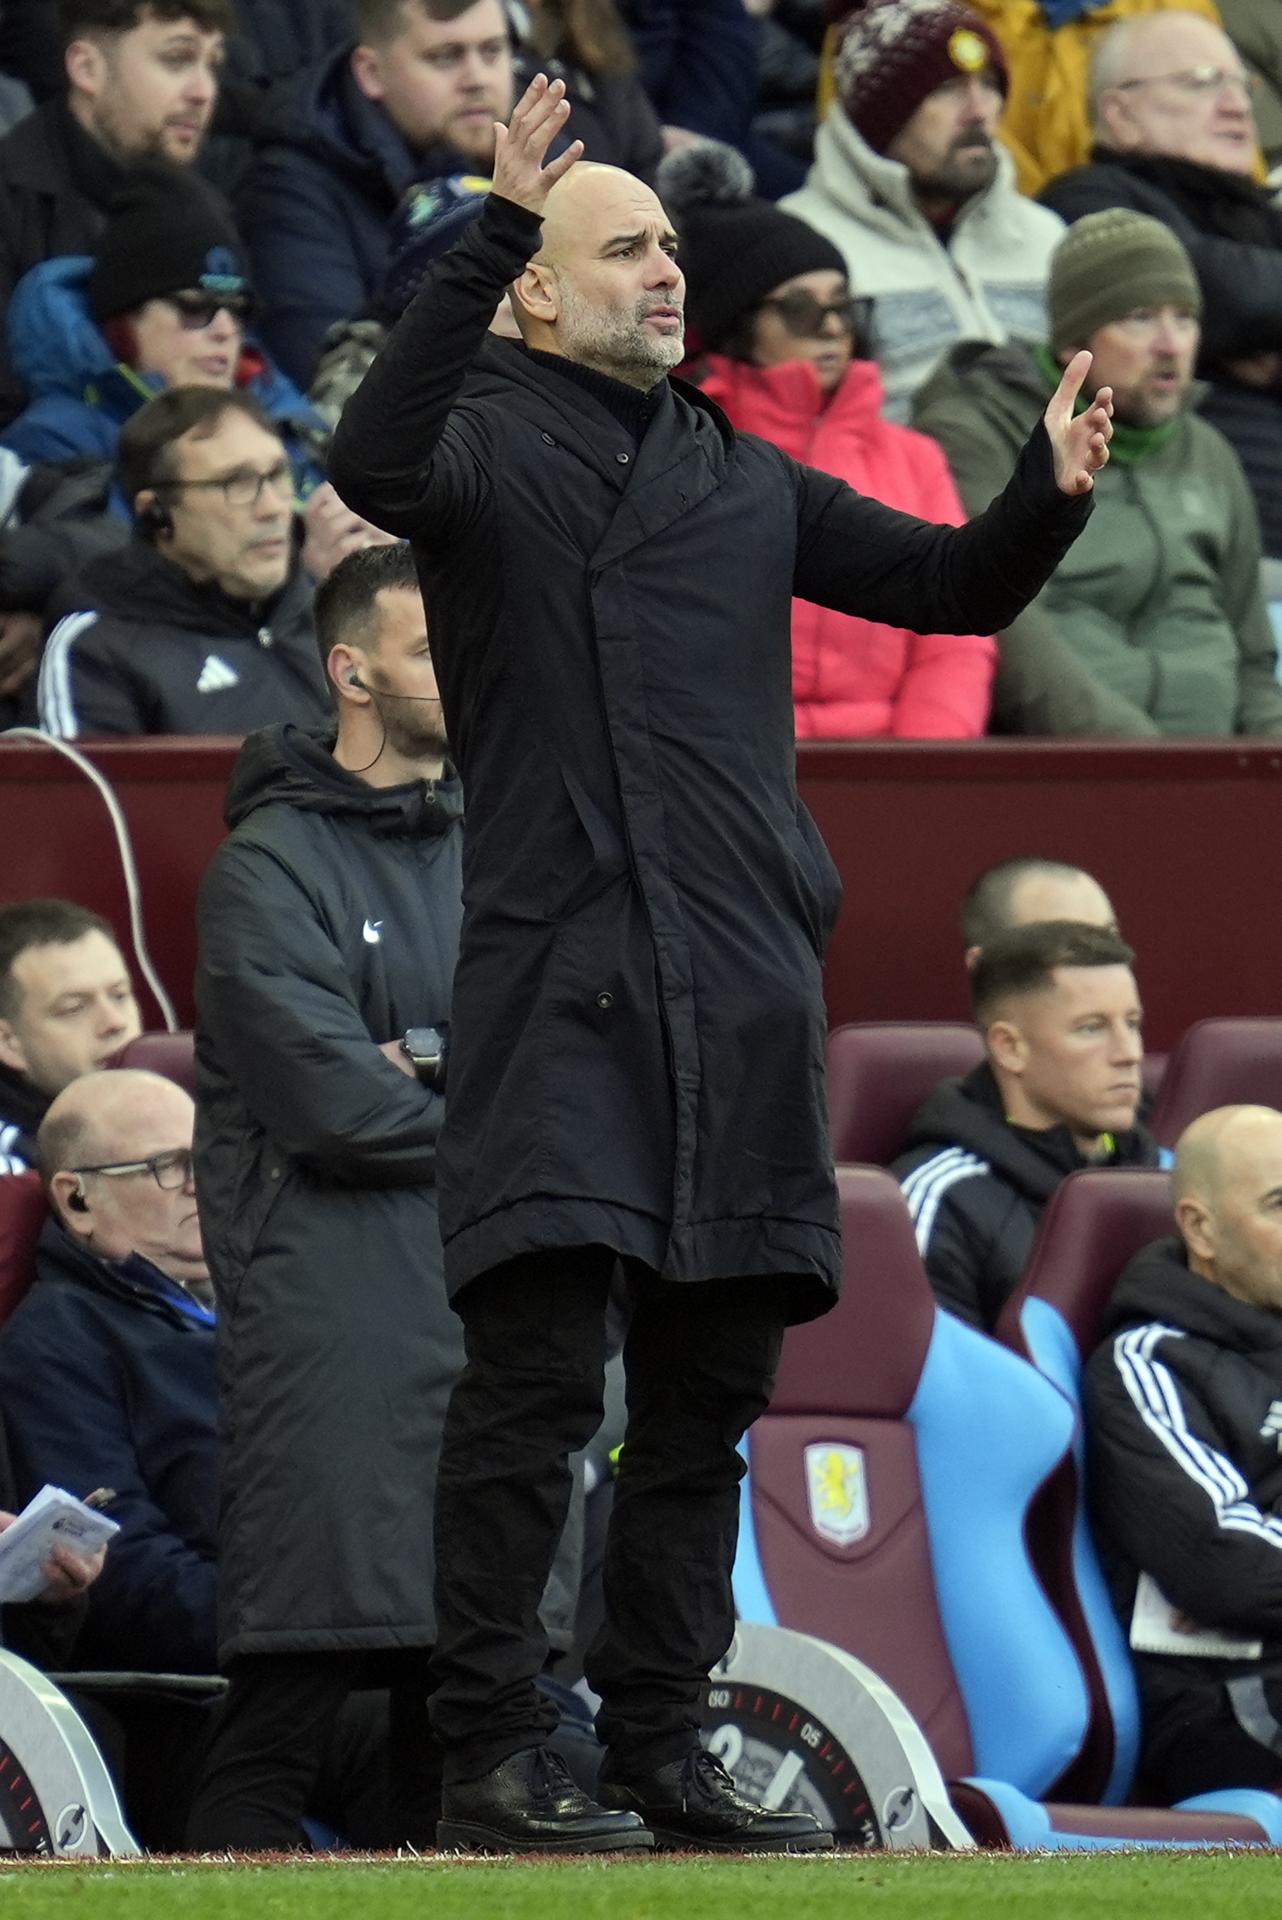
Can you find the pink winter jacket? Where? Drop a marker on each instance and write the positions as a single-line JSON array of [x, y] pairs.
[[857, 679]]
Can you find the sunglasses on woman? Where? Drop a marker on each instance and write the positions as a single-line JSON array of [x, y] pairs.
[[804, 315], [197, 310]]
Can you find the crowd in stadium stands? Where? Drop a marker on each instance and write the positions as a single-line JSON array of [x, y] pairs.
[[898, 221]]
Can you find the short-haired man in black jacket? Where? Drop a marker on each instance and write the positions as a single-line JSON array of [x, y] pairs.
[[66, 1006], [329, 924], [1057, 1005], [1184, 1438], [203, 623]]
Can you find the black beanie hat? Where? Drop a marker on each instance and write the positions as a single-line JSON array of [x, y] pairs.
[[734, 248], [166, 230]]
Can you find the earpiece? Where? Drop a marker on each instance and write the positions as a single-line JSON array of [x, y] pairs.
[[77, 1202], [155, 519], [354, 680]]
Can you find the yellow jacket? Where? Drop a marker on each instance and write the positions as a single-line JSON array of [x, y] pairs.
[[1045, 124]]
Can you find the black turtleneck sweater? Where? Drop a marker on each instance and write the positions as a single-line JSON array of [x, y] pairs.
[[632, 409]]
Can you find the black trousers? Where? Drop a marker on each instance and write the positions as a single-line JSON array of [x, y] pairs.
[[317, 1734], [700, 1361]]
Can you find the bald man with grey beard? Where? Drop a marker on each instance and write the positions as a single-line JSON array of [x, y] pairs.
[[1184, 1421], [636, 1065]]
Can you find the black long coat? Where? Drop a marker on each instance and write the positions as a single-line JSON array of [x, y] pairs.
[[328, 924], [638, 1022]]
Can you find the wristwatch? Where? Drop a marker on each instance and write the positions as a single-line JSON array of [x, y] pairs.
[[427, 1048]]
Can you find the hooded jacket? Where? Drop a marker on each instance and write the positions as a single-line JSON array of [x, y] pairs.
[[81, 395], [860, 679], [986, 282], [976, 1184], [1232, 231], [152, 652], [328, 924], [107, 1379], [1183, 1413], [1155, 624], [318, 208], [638, 1031]]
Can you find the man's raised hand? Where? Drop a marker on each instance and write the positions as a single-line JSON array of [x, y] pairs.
[[1079, 443], [519, 147]]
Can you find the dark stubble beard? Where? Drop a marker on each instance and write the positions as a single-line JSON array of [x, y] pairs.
[[415, 736], [967, 168]]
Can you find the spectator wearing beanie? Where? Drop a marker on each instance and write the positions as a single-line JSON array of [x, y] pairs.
[[1171, 144], [1046, 122], [1154, 624], [769, 301], [910, 184], [430, 218], [164, 301]]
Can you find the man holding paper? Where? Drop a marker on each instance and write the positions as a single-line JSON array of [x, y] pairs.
[[1184, 1425], [107, 1365], [43, 1630]]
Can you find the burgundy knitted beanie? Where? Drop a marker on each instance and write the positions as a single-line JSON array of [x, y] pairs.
[[895, 52]]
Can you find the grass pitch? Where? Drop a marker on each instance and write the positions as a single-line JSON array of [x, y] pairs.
[[1201, 1886]]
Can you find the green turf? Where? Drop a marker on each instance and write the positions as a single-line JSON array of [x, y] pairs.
[[1133, 1887]]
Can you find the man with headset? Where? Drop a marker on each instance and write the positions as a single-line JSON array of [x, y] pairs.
[[329, 925], [203, 622]]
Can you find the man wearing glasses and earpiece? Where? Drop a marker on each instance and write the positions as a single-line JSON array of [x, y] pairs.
[[107, 1364], [203, 623]]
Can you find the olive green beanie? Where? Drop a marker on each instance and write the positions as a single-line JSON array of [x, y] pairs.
[[1110, 264]]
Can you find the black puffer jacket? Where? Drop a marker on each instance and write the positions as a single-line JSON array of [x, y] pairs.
[[1184, 1418], [976, 1185], [152, 652], [329, 924], [638, 1018]]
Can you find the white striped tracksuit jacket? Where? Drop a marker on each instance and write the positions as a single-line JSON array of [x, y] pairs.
[[976, 1186], [1184, 1435]]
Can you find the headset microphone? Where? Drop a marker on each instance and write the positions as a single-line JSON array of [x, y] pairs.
[[381, 693]]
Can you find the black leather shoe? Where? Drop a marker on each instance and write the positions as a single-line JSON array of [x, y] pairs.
[[693, 1802], [530, 1804]]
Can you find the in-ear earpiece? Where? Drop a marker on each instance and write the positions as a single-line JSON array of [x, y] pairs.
[[77, 1201], [354, 680], [155, 519]]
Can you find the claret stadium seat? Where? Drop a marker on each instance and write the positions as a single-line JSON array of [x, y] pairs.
[[22, 1216], [1219, 1063], [1095, 1223], [170, 1054], [889, 1488], [880, 1071]]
